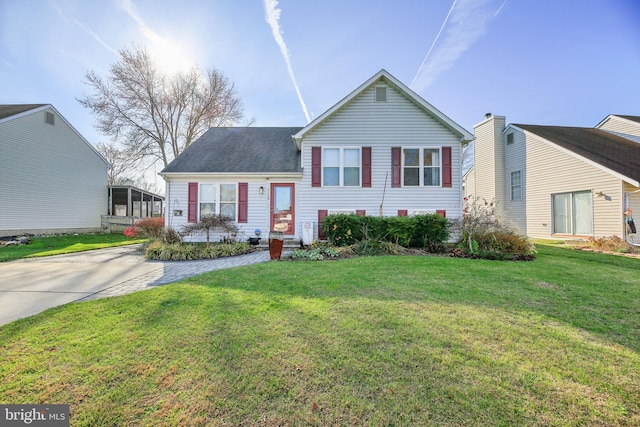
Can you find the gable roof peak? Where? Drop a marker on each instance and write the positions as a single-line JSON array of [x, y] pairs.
[[465, 135]]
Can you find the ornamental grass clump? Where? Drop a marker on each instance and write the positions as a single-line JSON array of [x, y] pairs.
[[162, 251]]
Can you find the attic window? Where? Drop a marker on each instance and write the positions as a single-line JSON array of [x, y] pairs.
[[381, 94], [509, 138], [49, 118]]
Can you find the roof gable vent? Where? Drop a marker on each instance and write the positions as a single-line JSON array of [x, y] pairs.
[[49, 118], [381, 94]]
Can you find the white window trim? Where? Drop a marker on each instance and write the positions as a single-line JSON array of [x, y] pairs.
[[511, 186], [421, 165], [218, 202], [571, 214], [341, 166]]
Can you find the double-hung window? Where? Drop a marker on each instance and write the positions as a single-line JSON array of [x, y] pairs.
[[218, 199], [516, 185], [341, 167], [421, 167]]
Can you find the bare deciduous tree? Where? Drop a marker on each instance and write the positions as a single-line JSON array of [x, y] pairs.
[[123, 163], [156, 115]]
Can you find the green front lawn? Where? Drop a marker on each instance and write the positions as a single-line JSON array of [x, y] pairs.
[[365, 341], [57, 245]]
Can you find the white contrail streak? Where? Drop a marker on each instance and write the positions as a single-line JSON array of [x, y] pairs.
[[500, 8], [272, 15], [465, 23], [434, 43]]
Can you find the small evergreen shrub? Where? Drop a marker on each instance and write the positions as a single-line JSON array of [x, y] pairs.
[[431, 231], [343, 229], [401, 229]]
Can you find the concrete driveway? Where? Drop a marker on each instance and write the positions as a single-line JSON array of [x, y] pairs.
[[29, 286]]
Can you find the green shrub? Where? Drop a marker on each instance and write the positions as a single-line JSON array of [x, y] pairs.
[[431, 231], [401, 229], [375, 227], [343, 229], [425, 231]]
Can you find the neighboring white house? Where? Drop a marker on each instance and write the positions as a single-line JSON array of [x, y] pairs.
[[51, 179], [558, 181], [382, 150]]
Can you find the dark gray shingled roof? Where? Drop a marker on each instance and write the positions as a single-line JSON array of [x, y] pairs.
[[240, 149], [632, 118], [607, 149], [8, 110]]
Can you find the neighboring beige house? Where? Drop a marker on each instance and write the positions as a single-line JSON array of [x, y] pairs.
[[51, 179], [556, 181], [381, 150]]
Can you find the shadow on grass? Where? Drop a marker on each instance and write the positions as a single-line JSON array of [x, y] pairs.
[[594, 292]]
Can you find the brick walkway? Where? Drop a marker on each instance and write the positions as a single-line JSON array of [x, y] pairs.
[[172, 271]]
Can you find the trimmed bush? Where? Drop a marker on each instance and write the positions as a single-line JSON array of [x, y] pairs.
[[343, 229], [425, 231]]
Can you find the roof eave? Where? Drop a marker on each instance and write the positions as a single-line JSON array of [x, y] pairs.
[[231, 174]]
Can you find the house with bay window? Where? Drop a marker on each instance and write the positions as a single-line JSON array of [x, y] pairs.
[[381, 150], [558, 181]]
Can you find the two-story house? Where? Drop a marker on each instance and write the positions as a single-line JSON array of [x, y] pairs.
[[381, 150], [559, 181]]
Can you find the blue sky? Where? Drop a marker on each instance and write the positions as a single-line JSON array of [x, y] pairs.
[[556, 62]]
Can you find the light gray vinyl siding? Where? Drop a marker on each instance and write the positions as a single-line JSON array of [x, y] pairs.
[[551, 170], [51, 180], [258, 204], [515, 160], [363, 122]]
